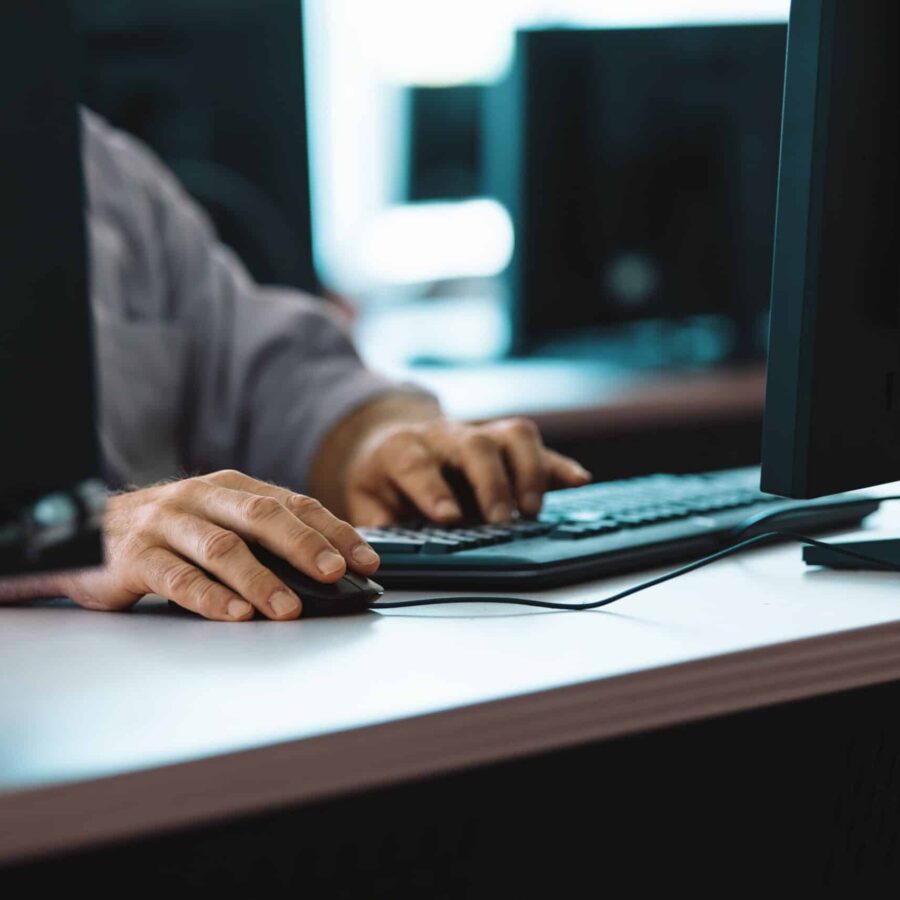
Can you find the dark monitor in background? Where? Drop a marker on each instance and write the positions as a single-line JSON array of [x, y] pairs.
[[217, 89], [445, 142], [640, 167], [50, 498], [832, 418]]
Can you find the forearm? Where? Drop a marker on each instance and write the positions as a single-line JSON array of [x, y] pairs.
[[348, 439]]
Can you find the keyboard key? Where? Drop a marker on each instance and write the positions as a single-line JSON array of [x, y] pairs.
[[631, 520], [568, 533], [394, 544], [578, 530], [442, 545]]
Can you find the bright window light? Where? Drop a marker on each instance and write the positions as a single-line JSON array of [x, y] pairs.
[[361, 56], [635, 13], [435, 42], [422, 242]]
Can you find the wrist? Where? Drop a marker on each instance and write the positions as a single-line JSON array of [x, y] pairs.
[[352, 439]]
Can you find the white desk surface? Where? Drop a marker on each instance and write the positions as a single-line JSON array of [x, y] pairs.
[[120, 724]]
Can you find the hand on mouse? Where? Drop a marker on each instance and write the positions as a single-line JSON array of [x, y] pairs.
[[400, 469], [161, 539]]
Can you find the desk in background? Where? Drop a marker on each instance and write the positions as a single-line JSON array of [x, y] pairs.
[[618, 421]]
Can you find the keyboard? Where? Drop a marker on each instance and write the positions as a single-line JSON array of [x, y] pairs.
[[600, 529]]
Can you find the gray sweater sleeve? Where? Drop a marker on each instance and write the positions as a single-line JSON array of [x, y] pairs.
[[257, 375]]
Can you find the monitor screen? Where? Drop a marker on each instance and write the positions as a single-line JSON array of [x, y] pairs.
[[643, 184]]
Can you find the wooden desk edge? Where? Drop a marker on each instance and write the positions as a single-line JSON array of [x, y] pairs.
[[72, 816], [679, 399]]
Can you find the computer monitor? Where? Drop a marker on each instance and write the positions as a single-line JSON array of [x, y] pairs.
[[832, 414], [445, 142], [640, 166], [50, 496]]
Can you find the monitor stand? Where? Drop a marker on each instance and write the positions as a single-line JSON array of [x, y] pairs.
[[887, 550]]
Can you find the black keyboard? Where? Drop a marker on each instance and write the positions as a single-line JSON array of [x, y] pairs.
[[597, 530]]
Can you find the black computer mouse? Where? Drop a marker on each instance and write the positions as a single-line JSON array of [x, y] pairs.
[[351, 594]]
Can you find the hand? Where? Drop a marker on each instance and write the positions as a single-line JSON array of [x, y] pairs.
[[165, 539], [403, 468]]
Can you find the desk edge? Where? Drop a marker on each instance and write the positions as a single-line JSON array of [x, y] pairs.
[[74, 816]]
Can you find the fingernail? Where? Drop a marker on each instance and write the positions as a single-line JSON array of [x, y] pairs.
[[501, 512], [365, 555], [580, 471], [329, 562], [446, 509], [238, 609], [284, 603], [531, 502]]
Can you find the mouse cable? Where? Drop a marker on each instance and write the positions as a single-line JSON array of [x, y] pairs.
[[841, 550]]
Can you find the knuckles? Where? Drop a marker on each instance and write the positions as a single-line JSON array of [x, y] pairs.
[[258, 508], [183, 492], [410, 462], [400, 438], [524, 429], [409, 455], [479, 442], [205, 599], [219, 544], [301, 505], [179, 580], [309, 541], [226, 477], [149, 518]]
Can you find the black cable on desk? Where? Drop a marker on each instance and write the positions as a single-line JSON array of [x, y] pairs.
[[668, 576]]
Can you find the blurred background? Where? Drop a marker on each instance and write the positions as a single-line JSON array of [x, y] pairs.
[[562, 208]]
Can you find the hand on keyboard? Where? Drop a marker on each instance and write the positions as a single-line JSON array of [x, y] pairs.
[[586, 512], [402, 472], [596, 530]]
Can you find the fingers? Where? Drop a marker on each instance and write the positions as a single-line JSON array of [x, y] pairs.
[[340, 535], [166, 574], [504, 462], [482, 463], [264, 520], [188, 541], [222, 553], [524, 451], [371, 511], [271, 527], [416, 472], [563, 471]]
